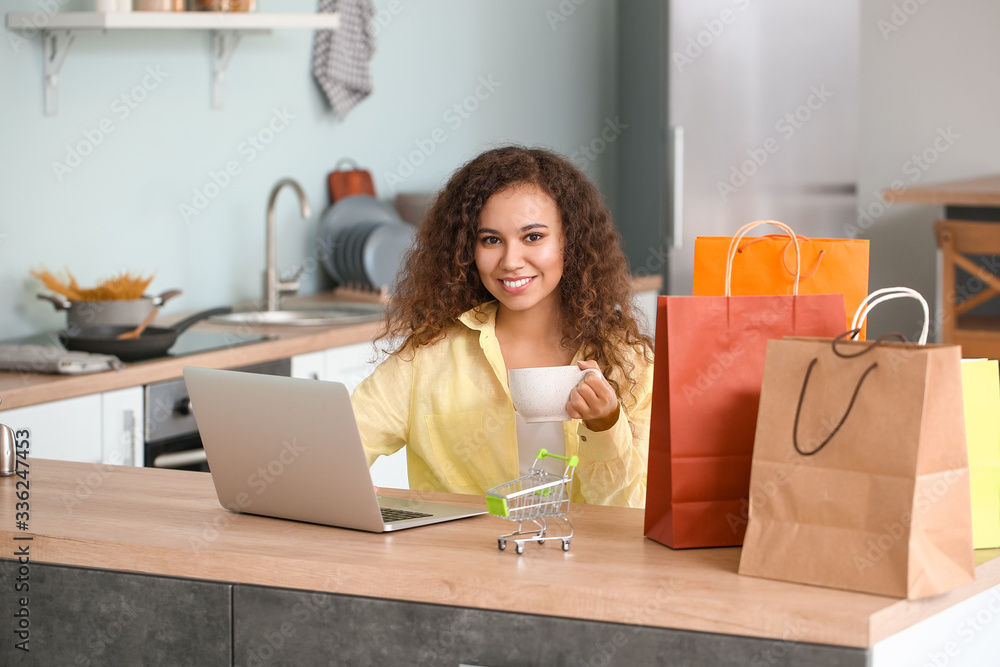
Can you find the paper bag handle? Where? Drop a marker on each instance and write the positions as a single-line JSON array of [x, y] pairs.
[[734, 244], [857, 388], [887, 294], [784, 252]]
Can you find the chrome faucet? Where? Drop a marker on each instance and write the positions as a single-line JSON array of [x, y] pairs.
[[273, 286]]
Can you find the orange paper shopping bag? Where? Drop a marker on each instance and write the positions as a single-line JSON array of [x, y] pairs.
[[706, 384], [762, 266], [860, 476]]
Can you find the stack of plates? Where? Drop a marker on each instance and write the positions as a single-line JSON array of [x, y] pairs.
[[363, 242]]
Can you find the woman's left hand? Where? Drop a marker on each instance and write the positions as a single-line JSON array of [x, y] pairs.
[[593, 400]]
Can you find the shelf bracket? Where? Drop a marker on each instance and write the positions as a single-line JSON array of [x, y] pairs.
[[224, 43], [56, 44]]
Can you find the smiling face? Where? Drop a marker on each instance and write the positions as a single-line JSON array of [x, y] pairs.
[[519, 249]]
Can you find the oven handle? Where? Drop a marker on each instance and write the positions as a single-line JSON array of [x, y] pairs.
[[180, 459]]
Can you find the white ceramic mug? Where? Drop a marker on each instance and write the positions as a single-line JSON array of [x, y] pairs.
[[541, 394]]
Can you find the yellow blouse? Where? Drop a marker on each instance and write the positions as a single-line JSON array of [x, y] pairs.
[[449, 404]]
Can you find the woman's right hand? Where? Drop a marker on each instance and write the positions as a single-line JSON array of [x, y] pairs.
[[593, 400]]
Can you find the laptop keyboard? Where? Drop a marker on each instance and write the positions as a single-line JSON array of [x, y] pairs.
[[389, 514]]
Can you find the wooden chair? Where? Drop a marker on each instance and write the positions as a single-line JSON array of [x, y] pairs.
[[979, 335]]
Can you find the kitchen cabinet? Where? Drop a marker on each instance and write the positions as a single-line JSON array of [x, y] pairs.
[[310, 366], [330, 629], [98, 428], [118, 618], [122, 618], [122, 441], [60, 29], [350, 364]]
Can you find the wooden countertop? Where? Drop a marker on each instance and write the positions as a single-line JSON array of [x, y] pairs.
[[169, 522], [22, 389], [972, 192]]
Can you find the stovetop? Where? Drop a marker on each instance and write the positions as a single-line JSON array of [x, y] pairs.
[[189, 342], [193, 342]]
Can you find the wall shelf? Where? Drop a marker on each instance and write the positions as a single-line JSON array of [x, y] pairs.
[[60, 29]]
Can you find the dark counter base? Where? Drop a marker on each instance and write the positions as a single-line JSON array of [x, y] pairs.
[[83, 616], [94, 618]]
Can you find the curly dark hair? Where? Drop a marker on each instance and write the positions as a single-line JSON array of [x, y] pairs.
[[439, 280]]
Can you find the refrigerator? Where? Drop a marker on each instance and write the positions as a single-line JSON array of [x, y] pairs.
[[734, 111]]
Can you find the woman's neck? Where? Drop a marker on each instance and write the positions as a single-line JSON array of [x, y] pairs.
[[531, 338]]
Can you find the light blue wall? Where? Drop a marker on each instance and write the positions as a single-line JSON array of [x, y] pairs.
[[120, 208]]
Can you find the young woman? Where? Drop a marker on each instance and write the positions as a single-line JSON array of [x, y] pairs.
[[517, 264]]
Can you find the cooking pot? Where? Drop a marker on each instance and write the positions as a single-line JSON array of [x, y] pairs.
[[118, 312], [154, 341]]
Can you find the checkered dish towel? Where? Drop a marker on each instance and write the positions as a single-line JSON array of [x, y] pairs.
[[341, 57]]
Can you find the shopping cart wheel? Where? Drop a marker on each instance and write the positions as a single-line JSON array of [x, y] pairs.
[[520, 548], [501, 545], [565, 545], [541, 541]]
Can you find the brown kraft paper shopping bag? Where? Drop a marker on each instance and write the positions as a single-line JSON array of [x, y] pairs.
[[860, 474], [706, 384]]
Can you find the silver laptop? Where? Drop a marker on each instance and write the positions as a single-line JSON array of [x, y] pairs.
[[290, 448]]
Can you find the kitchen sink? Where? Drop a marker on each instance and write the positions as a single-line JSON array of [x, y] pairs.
[[340, 313]]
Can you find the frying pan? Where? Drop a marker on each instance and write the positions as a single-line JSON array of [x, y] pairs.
[[154, 341]]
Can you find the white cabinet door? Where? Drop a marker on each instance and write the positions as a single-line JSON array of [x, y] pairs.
[[351, 364], [67, 430], [311, 366], [121, 427]]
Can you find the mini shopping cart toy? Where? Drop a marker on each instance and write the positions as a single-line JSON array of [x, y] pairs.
[[534, 497]]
